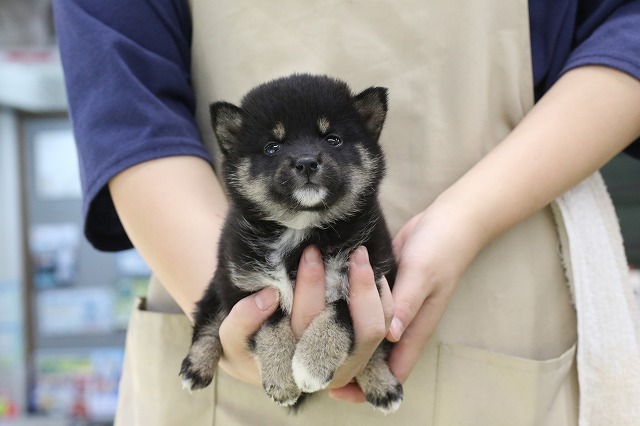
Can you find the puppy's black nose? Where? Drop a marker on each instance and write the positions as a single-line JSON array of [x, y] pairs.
[[307, 165]]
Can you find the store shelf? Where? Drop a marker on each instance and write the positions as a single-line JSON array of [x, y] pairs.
[[86, 340]]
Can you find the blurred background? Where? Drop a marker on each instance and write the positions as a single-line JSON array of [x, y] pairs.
[[64, 306]]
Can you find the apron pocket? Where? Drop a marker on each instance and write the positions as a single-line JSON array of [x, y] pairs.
[[150, 389], [479, 387]]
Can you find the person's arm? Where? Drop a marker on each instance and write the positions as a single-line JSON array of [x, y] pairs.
[[127, 74], [172, 210], [591, 114]]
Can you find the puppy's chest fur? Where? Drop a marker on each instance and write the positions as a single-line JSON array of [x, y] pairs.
[[268, 256]]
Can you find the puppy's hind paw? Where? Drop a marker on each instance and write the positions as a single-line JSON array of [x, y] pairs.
[[386, 400], [285, 396], [194, 377]]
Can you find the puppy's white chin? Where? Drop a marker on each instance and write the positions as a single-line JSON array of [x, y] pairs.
[[310, 197]]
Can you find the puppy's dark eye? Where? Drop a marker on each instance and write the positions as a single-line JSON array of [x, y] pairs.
[[333, 140], [271, 148]]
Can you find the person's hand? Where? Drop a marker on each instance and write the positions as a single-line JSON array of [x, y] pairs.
[[433, 251], [243, 321], [371, 313]]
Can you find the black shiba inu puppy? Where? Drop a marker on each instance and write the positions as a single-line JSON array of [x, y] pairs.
[[302, 166]]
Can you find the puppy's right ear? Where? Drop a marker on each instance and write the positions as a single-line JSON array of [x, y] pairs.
[[226, 120]]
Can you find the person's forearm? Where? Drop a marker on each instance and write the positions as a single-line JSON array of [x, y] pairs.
[[590, 115], [172, 210]]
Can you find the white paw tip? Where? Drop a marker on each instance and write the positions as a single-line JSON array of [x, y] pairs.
[[286, 403], [305, 381], [390, 409], [187, 385]]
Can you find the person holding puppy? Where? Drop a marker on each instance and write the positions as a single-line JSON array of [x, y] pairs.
[[496, 110]]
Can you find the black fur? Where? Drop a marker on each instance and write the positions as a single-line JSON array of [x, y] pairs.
[[302, 166]]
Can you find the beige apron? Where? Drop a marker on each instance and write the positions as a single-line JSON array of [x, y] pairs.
[[459, 77]]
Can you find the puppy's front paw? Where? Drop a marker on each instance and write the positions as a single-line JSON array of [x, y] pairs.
[[323, 347]]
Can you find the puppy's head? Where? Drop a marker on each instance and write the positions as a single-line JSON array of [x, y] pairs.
[[302, 150]]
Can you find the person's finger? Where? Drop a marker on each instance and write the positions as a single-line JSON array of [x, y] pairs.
[[367, 315], [410, 290], [309, 293], [349, 393], [364, 299], [415, 281], [387, 302], [406, 352], [244, 320]]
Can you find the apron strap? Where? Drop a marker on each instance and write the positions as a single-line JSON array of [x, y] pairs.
[[608, 354]]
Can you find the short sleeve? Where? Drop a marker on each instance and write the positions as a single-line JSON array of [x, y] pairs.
[[127, 72], [614, 43]]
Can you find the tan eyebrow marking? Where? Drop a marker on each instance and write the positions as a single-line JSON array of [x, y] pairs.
[[278, 131], [323, 125]]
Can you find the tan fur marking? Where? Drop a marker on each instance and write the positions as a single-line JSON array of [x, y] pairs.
[[279, 131], [323, 125]]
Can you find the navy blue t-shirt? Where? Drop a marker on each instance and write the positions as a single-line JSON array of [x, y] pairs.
[[129, 63]]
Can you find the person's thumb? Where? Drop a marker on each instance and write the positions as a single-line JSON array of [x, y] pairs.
[[266, 299], [248, 314]]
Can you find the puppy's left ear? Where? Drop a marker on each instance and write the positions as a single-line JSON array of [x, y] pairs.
[[371, 104], [226, 120]]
